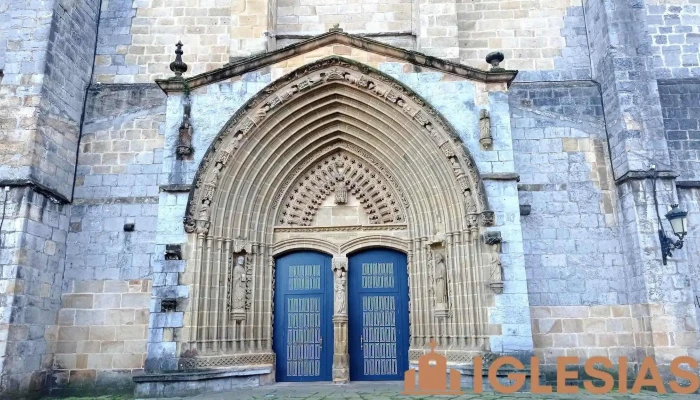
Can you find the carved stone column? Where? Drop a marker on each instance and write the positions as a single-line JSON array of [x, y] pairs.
[[341, 367]]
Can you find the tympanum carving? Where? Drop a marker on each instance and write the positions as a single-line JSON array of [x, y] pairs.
[[343, 174]]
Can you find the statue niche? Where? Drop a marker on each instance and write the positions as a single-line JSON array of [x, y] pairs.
[[440, 284], [238, 282]]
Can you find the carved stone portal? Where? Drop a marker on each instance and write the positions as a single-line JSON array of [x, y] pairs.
[[278, 158], [341, 368]]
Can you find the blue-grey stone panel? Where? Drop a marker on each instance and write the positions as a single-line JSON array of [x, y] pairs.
[[571, 240], [680, 101]]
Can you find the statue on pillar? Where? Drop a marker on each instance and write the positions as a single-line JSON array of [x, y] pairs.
[[341, 372], [440, 279], [340, 292], [238, 286], [485, 137]]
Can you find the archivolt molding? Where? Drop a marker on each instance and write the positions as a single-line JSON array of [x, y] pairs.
[[323, 246], [324, 72], [340, 228], [374, 241]]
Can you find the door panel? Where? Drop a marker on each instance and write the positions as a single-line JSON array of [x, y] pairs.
[[378, 315], [303, 317]]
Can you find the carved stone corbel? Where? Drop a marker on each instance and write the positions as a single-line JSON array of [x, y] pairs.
[[488, 218], [485, 137]]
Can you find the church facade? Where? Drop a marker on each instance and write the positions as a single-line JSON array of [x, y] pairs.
[[309, 191]]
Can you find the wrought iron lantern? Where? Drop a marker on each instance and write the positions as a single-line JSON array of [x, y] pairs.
[[676, 217], [679, 223]]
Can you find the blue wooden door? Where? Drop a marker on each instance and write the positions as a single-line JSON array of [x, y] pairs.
[[303, 331], [378, 315]]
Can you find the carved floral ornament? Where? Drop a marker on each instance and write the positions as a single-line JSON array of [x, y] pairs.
[[332, 70]]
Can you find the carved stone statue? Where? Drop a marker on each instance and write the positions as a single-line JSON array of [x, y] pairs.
[[440, 279], [485, 137], [340, 296], [184, 148], [204, 210], [496, 271], [238, 284], [459, 172]]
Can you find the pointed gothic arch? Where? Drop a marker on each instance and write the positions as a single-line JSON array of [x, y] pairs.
[[335, 127]]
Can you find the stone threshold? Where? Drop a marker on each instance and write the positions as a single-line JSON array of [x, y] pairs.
[[199, 375]]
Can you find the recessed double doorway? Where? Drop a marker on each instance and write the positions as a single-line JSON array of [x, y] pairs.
[[377, 310]]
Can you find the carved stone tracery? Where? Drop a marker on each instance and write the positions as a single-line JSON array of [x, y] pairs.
[[343, 174]]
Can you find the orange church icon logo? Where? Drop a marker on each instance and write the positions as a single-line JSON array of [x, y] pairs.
[[433, 375]]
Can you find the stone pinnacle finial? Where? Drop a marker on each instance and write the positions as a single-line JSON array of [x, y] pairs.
[[178, 66], [495, 58], [336, 28]]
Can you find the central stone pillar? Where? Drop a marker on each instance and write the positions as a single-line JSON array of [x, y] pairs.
[[341, 368]]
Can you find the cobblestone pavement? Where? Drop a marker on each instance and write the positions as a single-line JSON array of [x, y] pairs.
[[392, 390]]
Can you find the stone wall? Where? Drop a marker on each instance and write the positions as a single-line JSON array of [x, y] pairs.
[[675, 29], [32, 252], [100, 338], [633, 331], [313, 17], [689, 200], [47, 70], [571, 238], [547, 39], [680, 101], [137, 38], [23, 63], [118, 174]]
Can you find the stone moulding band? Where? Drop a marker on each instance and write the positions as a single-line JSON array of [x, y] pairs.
[[344, 228], [636, 175], [452, 356], [50, 193], [253, 63], [195, 363]]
